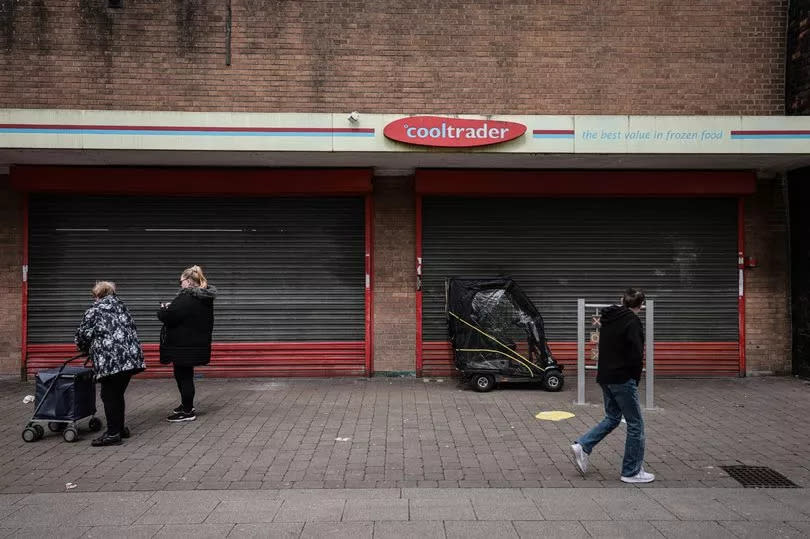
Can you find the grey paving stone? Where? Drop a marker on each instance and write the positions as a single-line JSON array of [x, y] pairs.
[[276, 530], [9, 499], [186, 512], [85, 498], [39, 532], [298, 510], [494, 509], [795, 498], [136, 532], [761, 529], [566, 504], [693, 504], [422, 529], [194, 531], [674, 529], [370, 510], [803, 527], [629, 504], [553, 530], [441, 509], [757, 504], [480, 530], [349, 530], [112, 513], [339, 494], [35, 515], [625, 529], [244, 511]]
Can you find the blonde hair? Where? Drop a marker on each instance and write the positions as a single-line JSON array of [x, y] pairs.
[[195, 275], [103, 289]]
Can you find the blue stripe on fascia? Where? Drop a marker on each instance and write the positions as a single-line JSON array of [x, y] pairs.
[[551, 135], [185, 133], [767, 136]]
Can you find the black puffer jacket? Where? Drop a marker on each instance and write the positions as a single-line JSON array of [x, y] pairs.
[[188, 322], [621, 346]]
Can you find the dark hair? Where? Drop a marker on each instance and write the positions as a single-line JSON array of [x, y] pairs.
[[633, 298]]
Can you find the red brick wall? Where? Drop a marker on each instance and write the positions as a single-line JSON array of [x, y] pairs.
[[767, 298], [579, 57], [394, 275], [10, 278]]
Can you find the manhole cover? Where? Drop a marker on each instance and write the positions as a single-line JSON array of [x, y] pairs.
[[759, 477]]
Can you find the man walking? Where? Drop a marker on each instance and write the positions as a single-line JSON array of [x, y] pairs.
[[621, 346]]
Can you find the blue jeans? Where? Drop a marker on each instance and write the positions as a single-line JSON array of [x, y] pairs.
[[620, 400]]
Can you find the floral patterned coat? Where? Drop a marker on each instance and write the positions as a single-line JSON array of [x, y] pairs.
[[108, 336]]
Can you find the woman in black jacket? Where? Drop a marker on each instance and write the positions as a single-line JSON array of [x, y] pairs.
[[185, 340]]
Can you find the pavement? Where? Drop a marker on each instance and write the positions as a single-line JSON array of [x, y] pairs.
[[405, 457]]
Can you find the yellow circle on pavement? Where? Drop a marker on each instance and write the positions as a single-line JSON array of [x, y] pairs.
[[554, 416]]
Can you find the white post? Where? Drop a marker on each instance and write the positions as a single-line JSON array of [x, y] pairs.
[[580, 351], [650, 355]]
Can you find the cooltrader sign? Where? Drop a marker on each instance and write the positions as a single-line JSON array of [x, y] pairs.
[[452, 132]]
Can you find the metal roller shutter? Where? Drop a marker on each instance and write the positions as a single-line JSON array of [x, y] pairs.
[[287, 269], [683, 252]]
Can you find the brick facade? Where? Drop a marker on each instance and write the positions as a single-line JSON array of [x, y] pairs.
[[394, 275], [584, 57], [10, 276], [767, 297]]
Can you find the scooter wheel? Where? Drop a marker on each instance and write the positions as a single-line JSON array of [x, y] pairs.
[[553, 381], [94, 424], [29, 435], [483, 382], [56, 427], [70, 435]]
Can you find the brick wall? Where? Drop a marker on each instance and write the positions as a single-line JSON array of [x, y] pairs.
[[767, 298], [722, 57], [10, 276], [797, 73], [394, 275]]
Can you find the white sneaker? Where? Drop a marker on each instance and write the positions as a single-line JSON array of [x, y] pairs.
[[640, 477], [580, 457]]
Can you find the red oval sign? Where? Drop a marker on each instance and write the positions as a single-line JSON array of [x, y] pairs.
[[452, 132]]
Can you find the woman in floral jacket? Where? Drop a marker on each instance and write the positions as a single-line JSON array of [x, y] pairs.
[[108, 336]]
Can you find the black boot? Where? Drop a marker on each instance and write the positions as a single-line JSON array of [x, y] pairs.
[[125, 432], [106, 439]]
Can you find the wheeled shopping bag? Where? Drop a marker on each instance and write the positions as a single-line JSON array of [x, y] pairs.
[[64, 397]]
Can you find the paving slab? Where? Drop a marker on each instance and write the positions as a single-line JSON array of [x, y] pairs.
[[300, 510], [349, 530], [756, 504], [480, 530], [244, 511], [673, 529], [180, 511], [625, 529], [442, 509], [194, 531], [276, 530], [370, 510], [693, 504], [409, 530], [123, 532], [758, 530], [553, 530], [566, 504]]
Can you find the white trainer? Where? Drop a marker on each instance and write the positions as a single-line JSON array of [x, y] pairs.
[[640, 477], [580, 457]]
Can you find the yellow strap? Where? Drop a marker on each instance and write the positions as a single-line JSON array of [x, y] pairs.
[[518, 358]]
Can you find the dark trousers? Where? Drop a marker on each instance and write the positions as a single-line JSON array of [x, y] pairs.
[[184, 375], [112, 395]]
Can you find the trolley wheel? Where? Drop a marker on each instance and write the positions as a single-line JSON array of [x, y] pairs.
[[553, 381], [56, 427], [40, 431], [95, 424], [29, 435], [483, 382], [70, 434]]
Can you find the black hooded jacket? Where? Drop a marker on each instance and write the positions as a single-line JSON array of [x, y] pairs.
[[188, 322], [621, 346]]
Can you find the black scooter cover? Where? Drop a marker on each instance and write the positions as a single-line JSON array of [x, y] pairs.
[[483, 316]]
